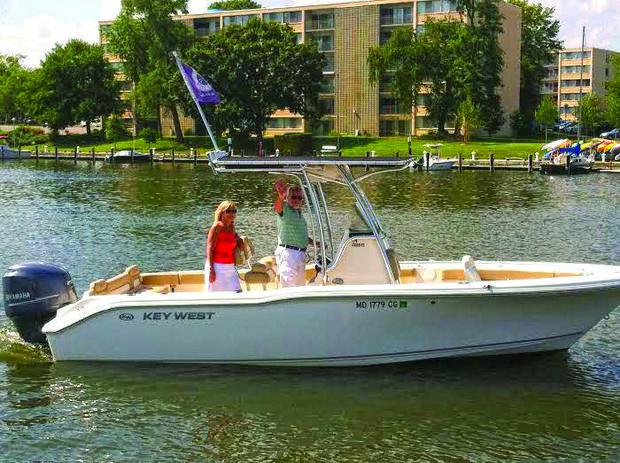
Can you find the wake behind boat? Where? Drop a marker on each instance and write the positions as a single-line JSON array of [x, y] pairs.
[[361, 304]]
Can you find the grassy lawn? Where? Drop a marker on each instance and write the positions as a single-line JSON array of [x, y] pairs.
[[351, 146], [502, 148]]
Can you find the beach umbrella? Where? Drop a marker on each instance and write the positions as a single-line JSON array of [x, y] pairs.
[[601, 146], [609, 147], [555, 144], [615, 149]]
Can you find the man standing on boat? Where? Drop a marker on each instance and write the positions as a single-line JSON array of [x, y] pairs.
[[293, 236]]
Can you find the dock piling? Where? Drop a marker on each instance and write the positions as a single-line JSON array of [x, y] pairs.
[[460, 162], [492, 162], [530, 164]]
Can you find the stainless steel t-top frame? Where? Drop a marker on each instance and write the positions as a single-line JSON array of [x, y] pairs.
[[312, 173]]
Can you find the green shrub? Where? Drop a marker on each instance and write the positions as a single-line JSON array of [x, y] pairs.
[[115, 129], [294, 144], [149, 135], [25, 135], [249, 145]]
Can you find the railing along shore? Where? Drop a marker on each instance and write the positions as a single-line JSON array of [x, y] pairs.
[[490, 163]]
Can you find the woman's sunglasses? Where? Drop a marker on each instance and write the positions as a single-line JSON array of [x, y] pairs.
[[231, 211], [299, 197]]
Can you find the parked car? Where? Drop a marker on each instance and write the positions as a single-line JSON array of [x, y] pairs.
[[566, 126], [574, 128], [615, 133]]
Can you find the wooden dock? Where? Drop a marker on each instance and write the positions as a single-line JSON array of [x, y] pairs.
[[490, 164]]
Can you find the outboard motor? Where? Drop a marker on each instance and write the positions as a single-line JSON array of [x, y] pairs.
[[33, 292]]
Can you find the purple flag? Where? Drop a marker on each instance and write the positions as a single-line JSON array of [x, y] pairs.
[[198, 86]]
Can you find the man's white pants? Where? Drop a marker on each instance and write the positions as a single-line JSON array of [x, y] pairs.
[[291, 267]]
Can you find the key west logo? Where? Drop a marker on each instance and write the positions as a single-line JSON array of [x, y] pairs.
[[155, 316]]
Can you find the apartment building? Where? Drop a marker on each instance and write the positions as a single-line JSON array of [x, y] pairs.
[[345, 32], [570, 77]]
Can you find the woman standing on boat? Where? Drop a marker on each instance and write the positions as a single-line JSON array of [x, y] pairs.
[[220, 271], [293, 236]]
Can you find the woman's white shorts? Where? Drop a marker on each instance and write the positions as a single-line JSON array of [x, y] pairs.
[[226, 278]]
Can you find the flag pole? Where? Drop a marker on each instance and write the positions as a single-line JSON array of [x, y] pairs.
[[202, 114]]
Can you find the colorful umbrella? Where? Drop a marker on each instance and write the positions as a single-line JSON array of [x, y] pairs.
[[556, 144]]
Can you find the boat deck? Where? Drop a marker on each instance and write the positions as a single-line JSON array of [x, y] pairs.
[[132, 281]]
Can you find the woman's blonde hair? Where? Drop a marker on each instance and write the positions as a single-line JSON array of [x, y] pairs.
[[219, 210]]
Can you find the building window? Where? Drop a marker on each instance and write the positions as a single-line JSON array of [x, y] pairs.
[[327, 85], [396, 16], [285, 17], [419, 29], [424, 122], [423, 100], [324, 41], [298, 38], [385, 35], [568, 110], [329, 63], [570, 96], [104, 29], [575, 69], [284, 123], [240, 20], [327, 106], [388, 105], [388, 127], [576, 83], [436, 6], [204, 27], [576, 55], [320, 21]]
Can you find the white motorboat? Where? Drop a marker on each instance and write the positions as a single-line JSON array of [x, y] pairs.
[[432, 160], [8, 153], [361, 304], [128, 156]]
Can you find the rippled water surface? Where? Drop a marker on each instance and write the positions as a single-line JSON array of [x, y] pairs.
[[97, 220]]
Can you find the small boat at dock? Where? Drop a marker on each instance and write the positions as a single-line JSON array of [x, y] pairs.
[[8, 153], [127, 156]]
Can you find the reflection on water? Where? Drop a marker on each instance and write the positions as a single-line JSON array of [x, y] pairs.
[[97, 220]]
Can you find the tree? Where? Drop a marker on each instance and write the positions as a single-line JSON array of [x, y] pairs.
[[229, 5], [539, 45], [12, 78], [613, 95], [258, 68], [74, 83], [592, 112], [421, 64], [469, 116], [482, 60], [144, 35], [546, 114], [403, 58]]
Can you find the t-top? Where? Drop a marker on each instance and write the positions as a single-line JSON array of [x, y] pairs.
[[292, 228]]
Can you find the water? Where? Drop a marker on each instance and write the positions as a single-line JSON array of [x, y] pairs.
[[95, 221]]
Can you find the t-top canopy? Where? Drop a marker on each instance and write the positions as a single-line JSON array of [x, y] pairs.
[[225, 163]]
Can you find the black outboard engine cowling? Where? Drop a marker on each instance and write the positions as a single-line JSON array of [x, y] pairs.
[[33, 292]]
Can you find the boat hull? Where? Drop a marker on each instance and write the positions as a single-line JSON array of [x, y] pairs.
[[306, 328]]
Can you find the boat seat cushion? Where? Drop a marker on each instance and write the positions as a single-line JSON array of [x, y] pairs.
[[127, 281], [469, 268]]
